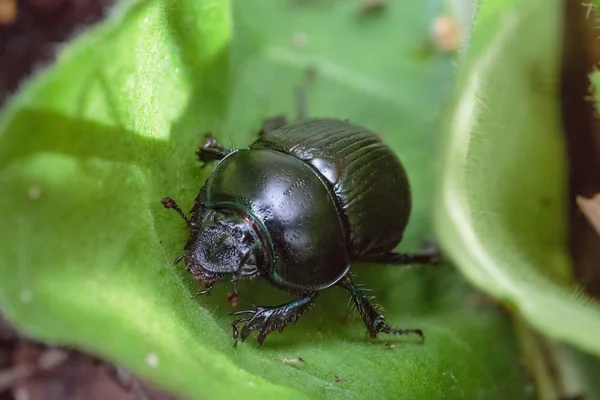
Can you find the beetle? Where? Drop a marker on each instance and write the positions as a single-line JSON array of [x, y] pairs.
[[297, 208]]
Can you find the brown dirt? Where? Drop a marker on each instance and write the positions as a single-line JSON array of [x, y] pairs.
[[30, 31], [34, 371], [581, 127]]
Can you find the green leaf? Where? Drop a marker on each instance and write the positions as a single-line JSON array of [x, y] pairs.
[[500, 213], [90, 146], [595, 88]]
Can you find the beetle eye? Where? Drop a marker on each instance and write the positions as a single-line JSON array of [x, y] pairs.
[[218, 217]]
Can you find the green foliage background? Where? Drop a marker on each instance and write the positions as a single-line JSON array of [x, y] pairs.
[[90, 146]]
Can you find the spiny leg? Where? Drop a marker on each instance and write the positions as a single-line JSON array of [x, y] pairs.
[[431, 255], [408, 258], [211, 150], [279, 121], [374, 321], [273, 123], [268, 319]]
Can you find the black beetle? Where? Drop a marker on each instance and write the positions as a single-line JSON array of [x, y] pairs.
[[297, 208]]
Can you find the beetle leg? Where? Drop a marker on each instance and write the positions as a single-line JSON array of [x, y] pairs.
[[273, 123], [268, 319], [374, 321], [430, 255], [236, 331], [278, 121], [211, 150], [424, 257], [206, 290]]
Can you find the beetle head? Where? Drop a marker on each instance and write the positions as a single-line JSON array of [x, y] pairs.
[[223, 244]]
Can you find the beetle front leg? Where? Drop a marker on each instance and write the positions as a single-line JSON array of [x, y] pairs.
[[211, 150], [374, 321], [268, 319]]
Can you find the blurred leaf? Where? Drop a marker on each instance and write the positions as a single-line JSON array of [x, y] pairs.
[[500, 213], [89, 148]]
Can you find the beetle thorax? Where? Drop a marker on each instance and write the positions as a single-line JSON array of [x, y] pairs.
[[222, 244]]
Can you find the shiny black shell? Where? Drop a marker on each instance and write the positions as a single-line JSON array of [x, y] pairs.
[[367, 178], [294, 211], [321, 193]]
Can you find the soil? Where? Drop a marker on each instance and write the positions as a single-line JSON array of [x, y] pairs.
[[30, 31], [581, 127], [35, 371]]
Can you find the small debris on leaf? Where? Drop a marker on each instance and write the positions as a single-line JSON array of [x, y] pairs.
[[446, 34], [293, 361], [371, 7], [152, 360], [591, 210], [338, 379]]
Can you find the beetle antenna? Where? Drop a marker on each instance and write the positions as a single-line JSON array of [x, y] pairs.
[[168, 202], [234, 279], [235, 274], [178, 259]]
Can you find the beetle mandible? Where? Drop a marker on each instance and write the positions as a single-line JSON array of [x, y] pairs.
[[305, 201]]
